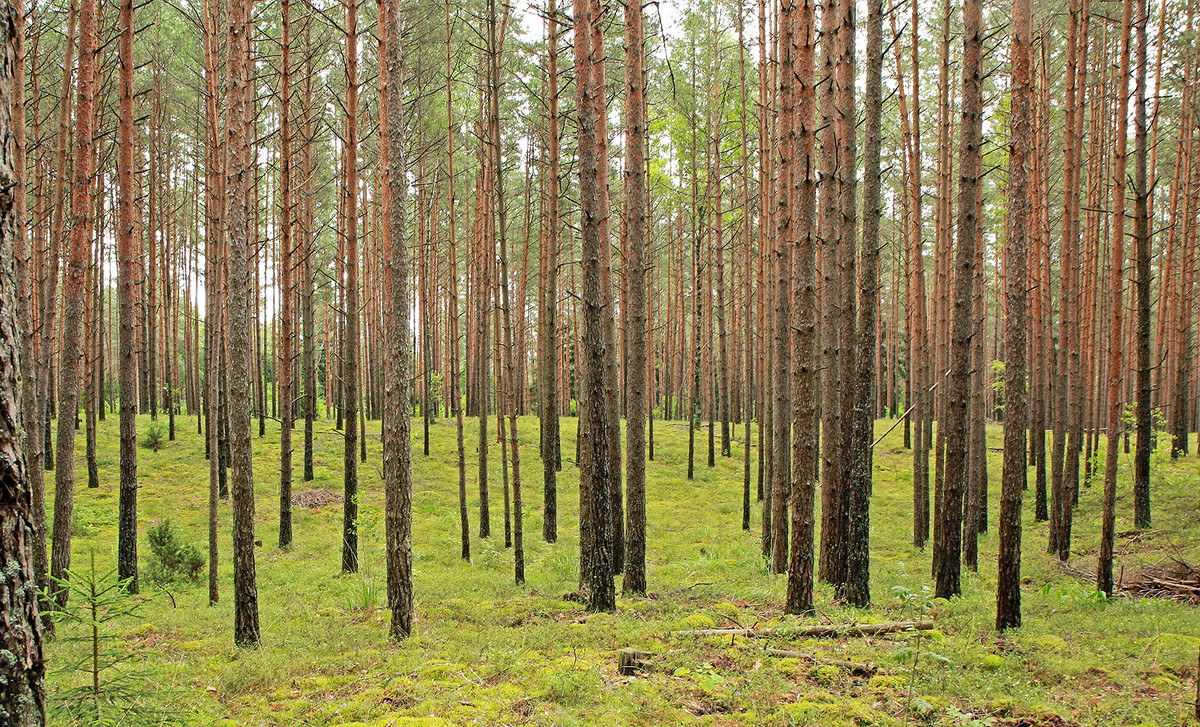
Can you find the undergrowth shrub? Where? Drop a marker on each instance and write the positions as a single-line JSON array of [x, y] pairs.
[[154, 438], [172, 560]]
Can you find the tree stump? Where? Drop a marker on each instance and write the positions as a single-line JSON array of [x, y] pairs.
[[631, 662]]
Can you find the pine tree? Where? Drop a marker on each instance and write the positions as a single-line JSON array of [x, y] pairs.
[[241, 298], [1008, 587]]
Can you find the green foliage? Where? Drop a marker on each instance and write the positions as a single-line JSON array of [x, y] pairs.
[[998, 371], [171, 559], [154, 437], [110, 690], [365, 591]]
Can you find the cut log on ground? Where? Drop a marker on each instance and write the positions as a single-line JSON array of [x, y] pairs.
[[854, 667], [631, 662], [815, 631]]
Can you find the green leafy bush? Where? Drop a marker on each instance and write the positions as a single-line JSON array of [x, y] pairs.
[[172, 560]]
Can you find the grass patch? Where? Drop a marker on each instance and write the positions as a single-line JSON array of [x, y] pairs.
[[487, 652]]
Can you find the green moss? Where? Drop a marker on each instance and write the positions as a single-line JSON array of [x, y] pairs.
[[699, 621], [825, 675], [484, 650], [889, 681], [1052, 642], [1165, 683]]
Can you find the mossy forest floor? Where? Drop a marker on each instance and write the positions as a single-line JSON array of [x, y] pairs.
[[487, 652]]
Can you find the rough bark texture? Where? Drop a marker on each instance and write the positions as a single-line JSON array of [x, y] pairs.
[[72, 348], [22, 691], [286, 214], [845, 289], [1008, 586], [947, 551], [241, 298], [635, 273], [397, 455], [781, 259], [804, 382], [596, 561], [127, 531], [350, 343], [1116, 302], [832, 452], [1141, 236], [548, 315], [862, 427]]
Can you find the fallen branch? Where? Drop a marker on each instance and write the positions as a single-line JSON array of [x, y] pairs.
[[854, 667], [819, 631]]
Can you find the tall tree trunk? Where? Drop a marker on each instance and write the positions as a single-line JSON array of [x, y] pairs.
[[397, 458], [1141, 235], [832, 453], [241, 301], [748, 379], [307, 230], [127, 531], [847, 183], [1180, 420], [72, 348], [804, 379], [951, 516], [350, 336], [548, 315], [1116, 300], [33, 403], [22, 671], [284, 366], [452, 250], [595, 476], [214, 227], [495, 40], [1008, 587], [781, 255], [634, 582], [858, 532]]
